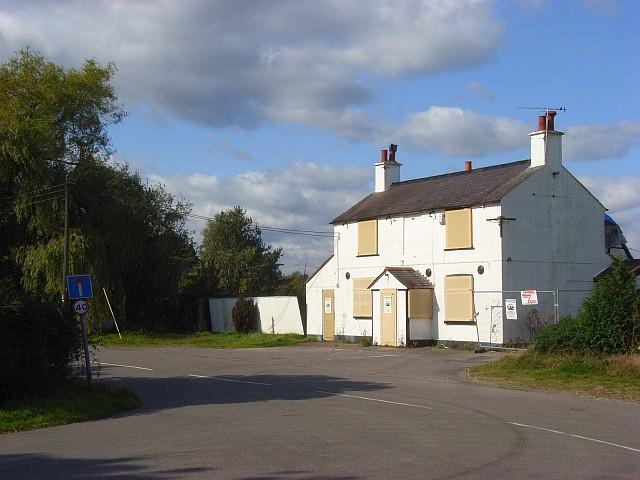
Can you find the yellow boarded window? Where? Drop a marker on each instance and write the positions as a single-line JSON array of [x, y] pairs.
[[421, 303], [368, 237], [362, 298], [458, 228], [458, 298]]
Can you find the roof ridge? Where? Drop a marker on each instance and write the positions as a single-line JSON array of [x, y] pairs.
[[463, 172]]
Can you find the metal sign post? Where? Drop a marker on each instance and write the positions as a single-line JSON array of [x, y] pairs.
[[79, 289], [81, 307]]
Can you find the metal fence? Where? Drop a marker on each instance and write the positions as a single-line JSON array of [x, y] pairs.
[[497, 326]]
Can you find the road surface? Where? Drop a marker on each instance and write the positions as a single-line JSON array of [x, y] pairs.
[[325, 411]]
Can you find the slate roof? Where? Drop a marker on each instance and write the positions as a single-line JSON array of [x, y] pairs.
[[634, 266], [452, 190], [407, 276]]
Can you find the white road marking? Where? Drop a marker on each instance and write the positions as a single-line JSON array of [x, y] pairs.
[[370, 356], [229, 380], [124, 366], [375, 400], [575, 436]]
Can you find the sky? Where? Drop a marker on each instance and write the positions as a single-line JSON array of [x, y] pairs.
[[282, 107]]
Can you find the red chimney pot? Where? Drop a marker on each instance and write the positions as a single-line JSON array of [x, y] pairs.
[[467, 166], [542, 122], [551, 115], [546, 121], [383, 155]]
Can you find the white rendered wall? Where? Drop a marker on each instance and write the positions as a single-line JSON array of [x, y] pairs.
[[376, 317], [277, 314], [325, 279], [555, 243], [401, 318], [418, 241], [386, 173]]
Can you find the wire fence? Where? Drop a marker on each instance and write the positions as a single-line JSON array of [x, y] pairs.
[[503, 318]]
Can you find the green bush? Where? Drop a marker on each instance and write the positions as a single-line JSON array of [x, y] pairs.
[[245, 315], [37, 345], [611, 313], [566, 336], [608, 323]]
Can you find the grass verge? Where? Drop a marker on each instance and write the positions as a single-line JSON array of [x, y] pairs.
[[205, 340], [607, 377], [74, 402]]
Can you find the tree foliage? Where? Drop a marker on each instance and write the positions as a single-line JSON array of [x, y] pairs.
[[129, 236], [50, 119], [245, 315], [611, 314], [235, 254], [37, 343], [608, 322]]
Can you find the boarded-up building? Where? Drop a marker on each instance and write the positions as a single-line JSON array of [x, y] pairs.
[[437, 258]]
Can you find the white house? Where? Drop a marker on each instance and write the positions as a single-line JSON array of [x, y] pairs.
[[439, 258]]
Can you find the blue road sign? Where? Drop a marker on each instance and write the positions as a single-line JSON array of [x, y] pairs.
[[79, 286]]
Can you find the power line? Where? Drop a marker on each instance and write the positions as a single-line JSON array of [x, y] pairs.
[[290, 231], [45, 200], [44, 188], [53, 192]]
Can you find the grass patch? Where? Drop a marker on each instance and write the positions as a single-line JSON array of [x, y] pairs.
[[74, 402], [605, 376], [204, 339]]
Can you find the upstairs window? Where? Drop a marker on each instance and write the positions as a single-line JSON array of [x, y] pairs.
[[421, 303], [362, 298], [368, 238], [458, 229], [458, 298]]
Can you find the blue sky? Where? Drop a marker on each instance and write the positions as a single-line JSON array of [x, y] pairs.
[[282, 106]]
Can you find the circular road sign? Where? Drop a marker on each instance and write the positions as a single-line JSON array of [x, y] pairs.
[[80, 307]]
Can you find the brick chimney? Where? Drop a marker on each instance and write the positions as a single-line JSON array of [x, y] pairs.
[[387, 170], [546, 142]]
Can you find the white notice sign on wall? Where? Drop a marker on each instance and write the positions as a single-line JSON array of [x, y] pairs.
[[327, 305], [510, 306], [387, 303], [529, 297]]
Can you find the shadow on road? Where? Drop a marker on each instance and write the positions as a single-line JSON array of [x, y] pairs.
[[295, 475], [174, 392], [45, 466]]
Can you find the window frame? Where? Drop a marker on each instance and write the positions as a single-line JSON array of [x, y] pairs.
[[458, 229], [412, 293], [361, 242], [450, 294], [359, 291]]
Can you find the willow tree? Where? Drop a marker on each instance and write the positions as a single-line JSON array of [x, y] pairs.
[[54, 126], [51, 120]]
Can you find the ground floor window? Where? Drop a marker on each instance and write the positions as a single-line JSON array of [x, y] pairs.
[[458, 298]]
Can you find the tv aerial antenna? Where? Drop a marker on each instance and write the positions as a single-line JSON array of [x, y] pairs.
[[544, 109]]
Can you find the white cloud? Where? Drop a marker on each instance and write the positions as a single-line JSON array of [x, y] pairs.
[[597, 141], [303, 196], [454, 131], [230, 63], [621, 196]]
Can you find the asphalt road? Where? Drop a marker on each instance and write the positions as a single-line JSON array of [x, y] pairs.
[[326, 411]]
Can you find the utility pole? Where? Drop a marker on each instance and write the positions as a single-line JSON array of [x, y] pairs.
[[65, 251]]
